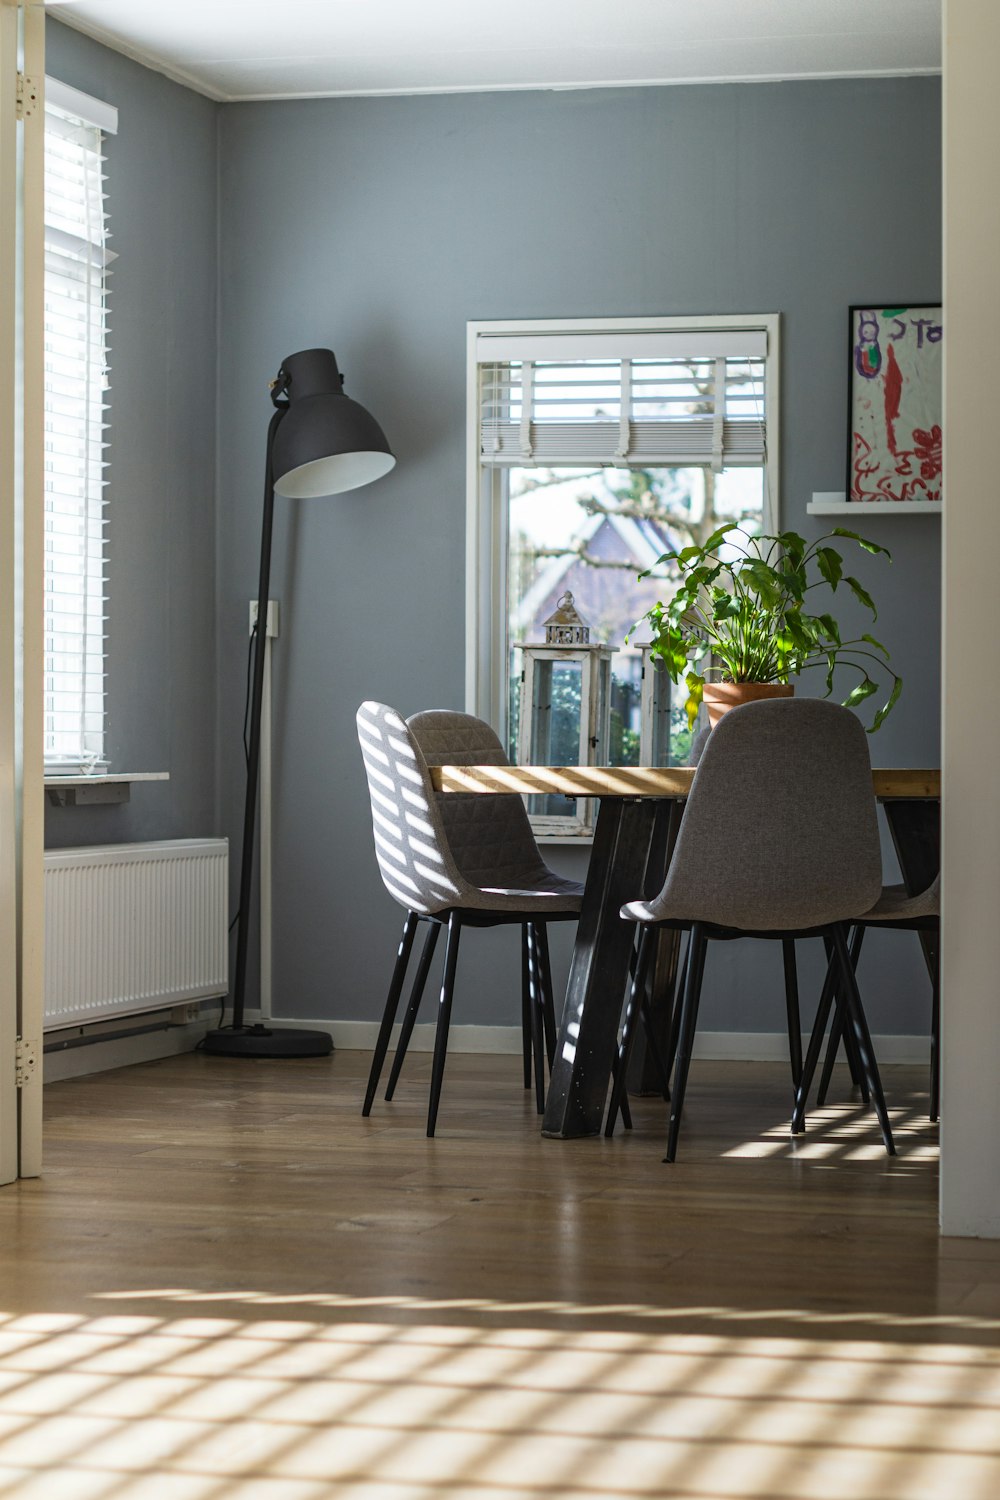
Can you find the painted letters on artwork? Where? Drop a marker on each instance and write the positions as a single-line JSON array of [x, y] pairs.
[[895, 409]]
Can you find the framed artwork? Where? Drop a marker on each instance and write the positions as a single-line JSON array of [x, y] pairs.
[[895, 405]]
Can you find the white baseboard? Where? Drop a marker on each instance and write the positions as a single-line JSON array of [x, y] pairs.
[[735, 1046], [360, 1036], [122, 1052]]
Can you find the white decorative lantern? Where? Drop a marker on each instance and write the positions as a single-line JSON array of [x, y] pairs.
[[655, 713], [565, 713], [565, 626], [659, 712]]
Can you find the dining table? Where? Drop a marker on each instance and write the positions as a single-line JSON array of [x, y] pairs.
[[639, 809]]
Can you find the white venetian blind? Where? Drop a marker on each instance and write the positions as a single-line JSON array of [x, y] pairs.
[[76, 357], [670, 398]]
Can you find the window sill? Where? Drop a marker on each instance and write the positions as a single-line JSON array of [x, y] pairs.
[[88, 791]]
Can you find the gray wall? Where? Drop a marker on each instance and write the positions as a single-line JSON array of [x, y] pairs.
[[162, 199], [380, 227]]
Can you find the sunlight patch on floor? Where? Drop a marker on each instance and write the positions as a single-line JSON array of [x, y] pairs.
[[189, 1406]]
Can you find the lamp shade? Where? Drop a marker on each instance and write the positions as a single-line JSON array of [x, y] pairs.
[[325, 443]]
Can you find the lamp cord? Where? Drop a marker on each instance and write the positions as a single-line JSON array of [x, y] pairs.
[[251, 647]]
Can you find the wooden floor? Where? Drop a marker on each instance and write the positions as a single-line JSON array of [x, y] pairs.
[[228, 1286]]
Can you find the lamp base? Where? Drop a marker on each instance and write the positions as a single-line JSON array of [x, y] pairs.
[[266, 1041]]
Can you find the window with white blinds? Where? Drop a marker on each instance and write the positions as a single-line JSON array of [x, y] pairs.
[[671, 399], [76, 381]]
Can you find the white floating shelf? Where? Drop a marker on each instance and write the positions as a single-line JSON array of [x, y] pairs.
[[835, 503]]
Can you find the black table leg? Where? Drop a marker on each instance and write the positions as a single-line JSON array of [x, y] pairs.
[[622, 867], [915, 825], [643, 1073]]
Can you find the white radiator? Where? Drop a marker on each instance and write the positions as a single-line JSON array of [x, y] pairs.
[[134, 927]]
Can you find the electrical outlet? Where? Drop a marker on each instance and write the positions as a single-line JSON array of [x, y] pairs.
[[272, 617], [185, 1015]]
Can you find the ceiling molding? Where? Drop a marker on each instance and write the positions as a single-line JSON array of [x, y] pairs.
[[571, 88]]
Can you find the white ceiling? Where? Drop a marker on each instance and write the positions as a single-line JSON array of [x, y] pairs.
[[278, 49]]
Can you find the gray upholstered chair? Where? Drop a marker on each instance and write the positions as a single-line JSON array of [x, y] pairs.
[[456, 861], [896, 909], [779, 839]]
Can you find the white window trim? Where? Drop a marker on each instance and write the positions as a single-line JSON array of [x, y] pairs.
[[485, 554]]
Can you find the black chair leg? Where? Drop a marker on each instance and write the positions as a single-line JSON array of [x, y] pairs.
[[813, 1050], [391, 1004], [935, 1108], [838, 1031], [858, 1022], [832, 1048], [675, 1019], [792, 1010], [525, 1007], [689, 1020], [413, 1005], [537, 1023], [549, 1014], [620, 1071], [444, 1018]]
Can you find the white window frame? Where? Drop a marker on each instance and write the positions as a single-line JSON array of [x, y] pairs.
[[103, 117], [486, 646]]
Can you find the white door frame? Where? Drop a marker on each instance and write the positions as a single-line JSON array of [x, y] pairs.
[[970, 932], [22, 127]]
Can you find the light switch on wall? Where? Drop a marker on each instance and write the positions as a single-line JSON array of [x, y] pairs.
[[272, 616]]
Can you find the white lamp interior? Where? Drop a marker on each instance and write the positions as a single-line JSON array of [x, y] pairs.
[[333, 475]]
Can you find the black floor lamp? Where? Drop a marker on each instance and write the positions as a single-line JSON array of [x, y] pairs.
[[319, 443]]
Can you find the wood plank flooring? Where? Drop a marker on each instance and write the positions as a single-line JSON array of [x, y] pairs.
[[228, 1286]]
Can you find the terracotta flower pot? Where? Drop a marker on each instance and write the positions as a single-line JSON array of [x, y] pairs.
[[720, 697]]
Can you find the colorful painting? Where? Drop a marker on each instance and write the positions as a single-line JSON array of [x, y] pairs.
[[895, 405]]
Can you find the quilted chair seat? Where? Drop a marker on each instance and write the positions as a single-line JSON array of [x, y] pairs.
[[896, 905], [454, 860]]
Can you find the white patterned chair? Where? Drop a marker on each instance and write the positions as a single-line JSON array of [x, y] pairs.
[[453, 861]]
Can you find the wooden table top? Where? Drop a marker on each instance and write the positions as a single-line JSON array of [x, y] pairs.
[[638, 781]]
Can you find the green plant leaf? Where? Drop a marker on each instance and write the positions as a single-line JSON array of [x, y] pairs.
[[877, 644], [725, 606], [863, 595], [831, 627], [796, 628], [764, 581], [793, 545], [830, 564], [717, 536], [861, 541], [696, 688], [831, 667], [887, 707], [857, 695]]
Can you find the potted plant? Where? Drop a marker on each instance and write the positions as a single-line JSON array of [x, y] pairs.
[[739, 614]]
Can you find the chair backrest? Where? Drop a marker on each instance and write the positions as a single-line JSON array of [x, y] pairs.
[[410, 841], [489, 837], [698, 744], [437, 850], [780, 828]]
